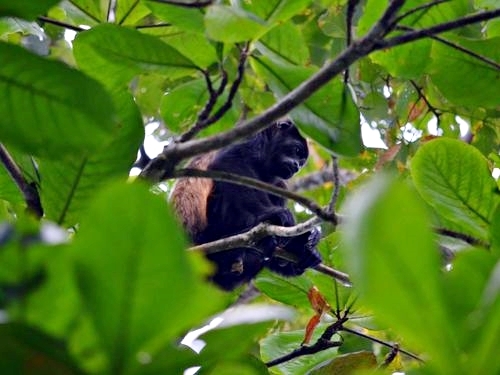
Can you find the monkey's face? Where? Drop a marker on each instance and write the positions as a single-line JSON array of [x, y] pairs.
[[289, 152]]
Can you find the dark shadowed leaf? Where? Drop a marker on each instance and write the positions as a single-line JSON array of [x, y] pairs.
[[25, 350], [25, 8], [68, 185]]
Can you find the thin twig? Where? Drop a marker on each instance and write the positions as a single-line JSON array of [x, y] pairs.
[[59, 23], [260, 185], [29, 191], [438, 29], [436, 112], [204, 118], [461, 236], [196, 4], [378, 341], [336, 185]]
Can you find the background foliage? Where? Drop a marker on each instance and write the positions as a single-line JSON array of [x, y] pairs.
[[103, 284]]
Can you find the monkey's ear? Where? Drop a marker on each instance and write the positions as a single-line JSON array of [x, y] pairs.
[[284, 124]]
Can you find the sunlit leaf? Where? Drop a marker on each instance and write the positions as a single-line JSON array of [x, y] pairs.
[[456, 74], [455, 180], [230, 24], [115, 55]]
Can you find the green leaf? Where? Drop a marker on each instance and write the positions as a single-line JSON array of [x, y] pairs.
[[347, 364], [49, 109], [290, 291], [276, 11], [329, 116], [68, 185], [181, 106], [143, 292], [456, 74], [230, 24], [25, 350], [187, 19], [279, 344], [408, 61], [287, 42], [200, 50], [464, 286], [394, 263], [455, 180], [495, 232], [25, 8], [129, 12], [114, 55], [95, 9], [485, 357]]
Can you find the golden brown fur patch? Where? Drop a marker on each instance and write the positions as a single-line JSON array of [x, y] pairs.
[[190, 196]]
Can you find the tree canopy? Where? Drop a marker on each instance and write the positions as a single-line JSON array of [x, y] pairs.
[[400, 102]]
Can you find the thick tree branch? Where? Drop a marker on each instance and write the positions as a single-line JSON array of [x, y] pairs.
[[249, 238]]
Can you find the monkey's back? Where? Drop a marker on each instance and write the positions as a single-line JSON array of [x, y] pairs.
[[190, 197]]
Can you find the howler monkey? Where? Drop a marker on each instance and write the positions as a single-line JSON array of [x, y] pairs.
[[211, 210]]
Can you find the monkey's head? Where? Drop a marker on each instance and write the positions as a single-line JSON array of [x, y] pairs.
[[286, 150]]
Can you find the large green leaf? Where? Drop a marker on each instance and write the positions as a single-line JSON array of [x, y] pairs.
[[484, 358], [188, 19], [68, 185], [115, 55], [395, 265], [408, 61], [49, 109], [25, 8], [329, 116], [456, 73], [455, 180], [135, 278], [287, 42], [230, 24], [275, 11]]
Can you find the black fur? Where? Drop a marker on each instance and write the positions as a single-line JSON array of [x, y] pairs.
[[272, 156]]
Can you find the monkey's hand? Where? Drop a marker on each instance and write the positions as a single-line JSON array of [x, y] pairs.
[[303, 249]]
